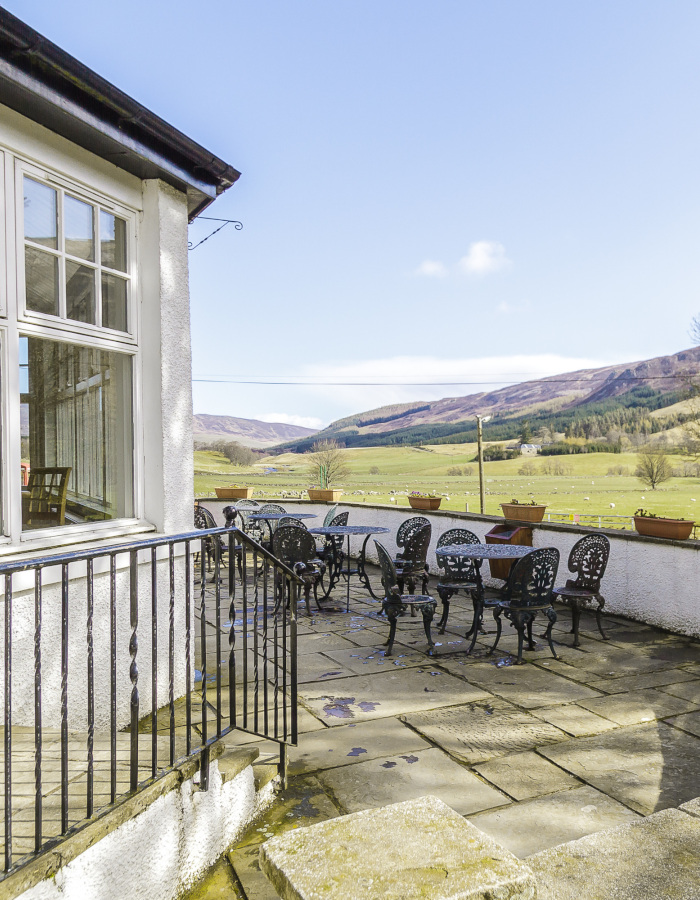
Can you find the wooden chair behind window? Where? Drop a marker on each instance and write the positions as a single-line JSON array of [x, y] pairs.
[[46, 497]]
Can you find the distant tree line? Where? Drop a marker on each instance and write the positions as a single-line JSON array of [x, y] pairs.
[[235, 453]]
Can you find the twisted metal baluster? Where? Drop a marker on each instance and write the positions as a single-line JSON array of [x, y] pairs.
[[91, 690], [232, 630], [38, 827], [171, 652], [133, 669]]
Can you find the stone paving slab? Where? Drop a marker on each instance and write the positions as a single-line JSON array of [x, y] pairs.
[[689, 722], [637, 706], [351, 744], [483, 730], [246, 864], [574, 720], [538, 824], [647, 767], [616, 662], [641, 682], [405, 851], [386, 694], [689, 690], [319, 667], [524, 776], [409, 776], [658, 858], [321, 641], [528, 687], [365, 660]]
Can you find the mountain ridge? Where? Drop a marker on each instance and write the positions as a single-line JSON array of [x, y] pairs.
[[249, 432]]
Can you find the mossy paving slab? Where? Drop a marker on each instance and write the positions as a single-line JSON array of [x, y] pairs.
[[409, 776], [647, 680], [657, 857], [574, 720], [526, 775], [647, 767], [406, 851], [245, 862], [352, 744], [548, 821], [386, 694], [483, 730], [689, 690]]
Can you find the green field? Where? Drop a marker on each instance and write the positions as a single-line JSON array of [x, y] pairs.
[[586, 489]]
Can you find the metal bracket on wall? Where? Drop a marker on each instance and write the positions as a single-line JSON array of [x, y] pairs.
[[236, 224]]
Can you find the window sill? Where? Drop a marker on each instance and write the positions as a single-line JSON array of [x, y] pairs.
[[78, 537]]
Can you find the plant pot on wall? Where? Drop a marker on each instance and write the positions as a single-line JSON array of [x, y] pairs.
[[324, 494], [234, 493], [523, 512], [657, 526], [425, 502]]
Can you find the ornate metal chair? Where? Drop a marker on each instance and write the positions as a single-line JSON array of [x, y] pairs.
[[406, 529], [271, 526], [330, 515], [243, 509], [588, 560], [395, 602], [455, 573], [530, 587], [290, 520], [296, 548], [214, 545], [411, 563]]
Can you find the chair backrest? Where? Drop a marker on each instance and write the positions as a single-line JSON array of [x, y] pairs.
[[203, 518], [329, 515], [407, 527], [457, 568], [532, 578], [272, 508], [291, 544], [243, 509], [290, 520], [588, 560], [415, 550], [46, 503], [337, 539], [340, 519], [388, 569]]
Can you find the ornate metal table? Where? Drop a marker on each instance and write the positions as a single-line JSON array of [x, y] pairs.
[[336, 570], [480, 552]]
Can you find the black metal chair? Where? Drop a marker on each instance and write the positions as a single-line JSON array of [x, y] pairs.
[[411, 562], [330, 515], [290, 520], [588, 560], [215, 546], [296, 548], [269, 526], [530, 587], [242, 510], [405, 530], [455, 573], [395, 602]]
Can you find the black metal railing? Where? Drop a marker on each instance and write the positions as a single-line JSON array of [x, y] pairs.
[[219, 613]]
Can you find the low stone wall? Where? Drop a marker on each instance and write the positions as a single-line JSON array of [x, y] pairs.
[[154, 845], [648, 579]]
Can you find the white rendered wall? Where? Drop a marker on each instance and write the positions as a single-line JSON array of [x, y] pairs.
[[647, 579], [162, 851]]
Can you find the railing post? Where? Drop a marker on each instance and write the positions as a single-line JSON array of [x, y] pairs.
[[8, 722]]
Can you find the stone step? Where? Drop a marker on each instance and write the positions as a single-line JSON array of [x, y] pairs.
[[405, 851], [655, 857]]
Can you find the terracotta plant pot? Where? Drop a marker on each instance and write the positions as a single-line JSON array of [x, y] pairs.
[[523, 512], [324, 494], [425, 502], [672, 529], [234, 493]]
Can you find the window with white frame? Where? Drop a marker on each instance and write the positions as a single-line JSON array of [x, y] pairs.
[[70, 338]]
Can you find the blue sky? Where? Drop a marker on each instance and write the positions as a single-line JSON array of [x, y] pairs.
[[430, 192]]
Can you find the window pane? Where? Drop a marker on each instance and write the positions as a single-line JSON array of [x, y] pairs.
[[40, 213], [80, 292], [41, 281], [113, 241], [80, 437], [114, 302], [78, 228]]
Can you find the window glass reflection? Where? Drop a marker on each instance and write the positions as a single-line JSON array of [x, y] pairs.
[[40, 221], [112, 241], [78, 228]]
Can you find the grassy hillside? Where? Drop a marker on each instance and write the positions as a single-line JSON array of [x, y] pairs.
[[586, 488]]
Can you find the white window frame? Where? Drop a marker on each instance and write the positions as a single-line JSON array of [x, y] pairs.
[[16, 321]]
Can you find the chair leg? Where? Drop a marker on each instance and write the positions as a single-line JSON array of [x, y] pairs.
[[497, 617], [575, 620], [393, 611], [552, 616], [445, 597], [428, 613], [520, 626], [531, 645], [307, 597], [601, 604]]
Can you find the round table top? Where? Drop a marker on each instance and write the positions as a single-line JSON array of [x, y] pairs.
[[485, 551], [271, 516], [349, 529]]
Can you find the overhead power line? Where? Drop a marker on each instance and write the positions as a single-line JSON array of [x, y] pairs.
[[214, 379]]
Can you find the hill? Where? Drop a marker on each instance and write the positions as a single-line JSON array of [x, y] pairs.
[[557, 401], [249, 432]]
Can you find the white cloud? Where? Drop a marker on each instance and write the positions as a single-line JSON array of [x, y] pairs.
[[289, 419], [432, 269], [483, 258]]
